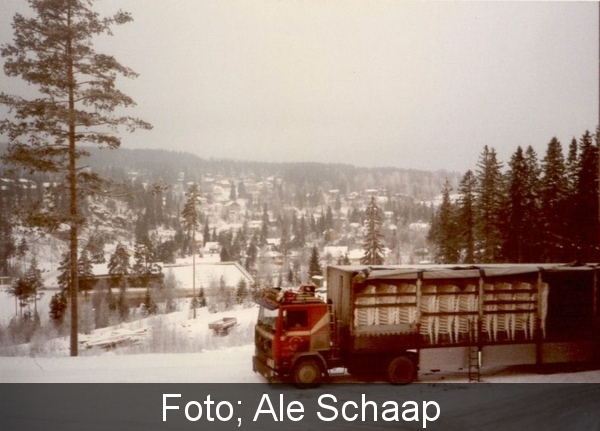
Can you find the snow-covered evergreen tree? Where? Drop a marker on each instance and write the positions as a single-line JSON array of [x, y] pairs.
[[374, 249], [191, 213], [118, 265], [87, 281], [314, 265], [241, 293], [148, 305]]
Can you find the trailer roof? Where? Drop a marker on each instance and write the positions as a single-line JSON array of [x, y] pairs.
[[431, 272]]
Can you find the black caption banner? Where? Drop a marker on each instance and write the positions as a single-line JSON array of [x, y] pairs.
[[265, 407]]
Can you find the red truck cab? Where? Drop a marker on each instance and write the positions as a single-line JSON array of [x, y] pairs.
[[292, 335]]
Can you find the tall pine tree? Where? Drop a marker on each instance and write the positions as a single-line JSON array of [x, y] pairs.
[[465, 219], [76, 104], [586, 200], [87, 281], [518, 216], [444, 234], [489, 200], [553, 196], [531, 244], [118, 265]]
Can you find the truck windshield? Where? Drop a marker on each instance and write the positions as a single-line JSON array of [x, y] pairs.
[[268, 318]]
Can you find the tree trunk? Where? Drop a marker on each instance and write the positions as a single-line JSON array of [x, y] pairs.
[[73, 196]]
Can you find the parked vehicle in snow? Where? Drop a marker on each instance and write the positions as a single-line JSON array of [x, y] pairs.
[[223, 326], [391, 322]]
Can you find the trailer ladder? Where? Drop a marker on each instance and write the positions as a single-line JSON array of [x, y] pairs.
[[474, 353], [334, 342]]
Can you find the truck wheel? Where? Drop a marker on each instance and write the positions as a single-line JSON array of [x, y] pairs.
[[401, 371], [307, 373]]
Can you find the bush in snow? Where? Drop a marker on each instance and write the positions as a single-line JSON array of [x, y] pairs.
[[21, 329], [58, 308], [166, 338], [104, 303], [220, 297], [86, 317], [45, 341], [201, 298], [164, 294], [149, 306]]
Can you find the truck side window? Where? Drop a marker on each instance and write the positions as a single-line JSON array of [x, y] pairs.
[[296, 319]]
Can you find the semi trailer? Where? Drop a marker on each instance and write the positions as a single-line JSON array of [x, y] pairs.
[[390, 322]]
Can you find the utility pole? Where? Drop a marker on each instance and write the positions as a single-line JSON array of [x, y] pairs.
[[194, 267]]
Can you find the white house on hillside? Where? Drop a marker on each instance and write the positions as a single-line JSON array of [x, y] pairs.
[[209, 274]]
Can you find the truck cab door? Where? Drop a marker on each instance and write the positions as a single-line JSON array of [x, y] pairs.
[[296, 332]]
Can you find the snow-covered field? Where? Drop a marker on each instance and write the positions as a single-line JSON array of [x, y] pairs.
[[176, 348]]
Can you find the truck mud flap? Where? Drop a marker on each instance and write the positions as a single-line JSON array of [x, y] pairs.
[[261, 368]]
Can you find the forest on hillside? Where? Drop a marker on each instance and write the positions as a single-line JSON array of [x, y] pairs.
[[169, 166], [297, 202]]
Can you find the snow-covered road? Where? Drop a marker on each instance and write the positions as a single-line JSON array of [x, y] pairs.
[[230, 365]]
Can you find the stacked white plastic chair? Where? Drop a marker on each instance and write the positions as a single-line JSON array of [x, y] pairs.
[[407, 313], [525, 310], [387, 315], [429, 304], [505, 321], [543, 308], [542, 311], [467, 303], [365, 316], [448, 303], [490, 321]]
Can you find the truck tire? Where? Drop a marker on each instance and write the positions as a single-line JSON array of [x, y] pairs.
[[401, 371], [307, 373]]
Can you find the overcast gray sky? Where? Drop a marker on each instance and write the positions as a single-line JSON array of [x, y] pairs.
[[420, 85]]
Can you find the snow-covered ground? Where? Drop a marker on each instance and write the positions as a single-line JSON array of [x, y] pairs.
[[228, 365], [201, 355], [191, 353]]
